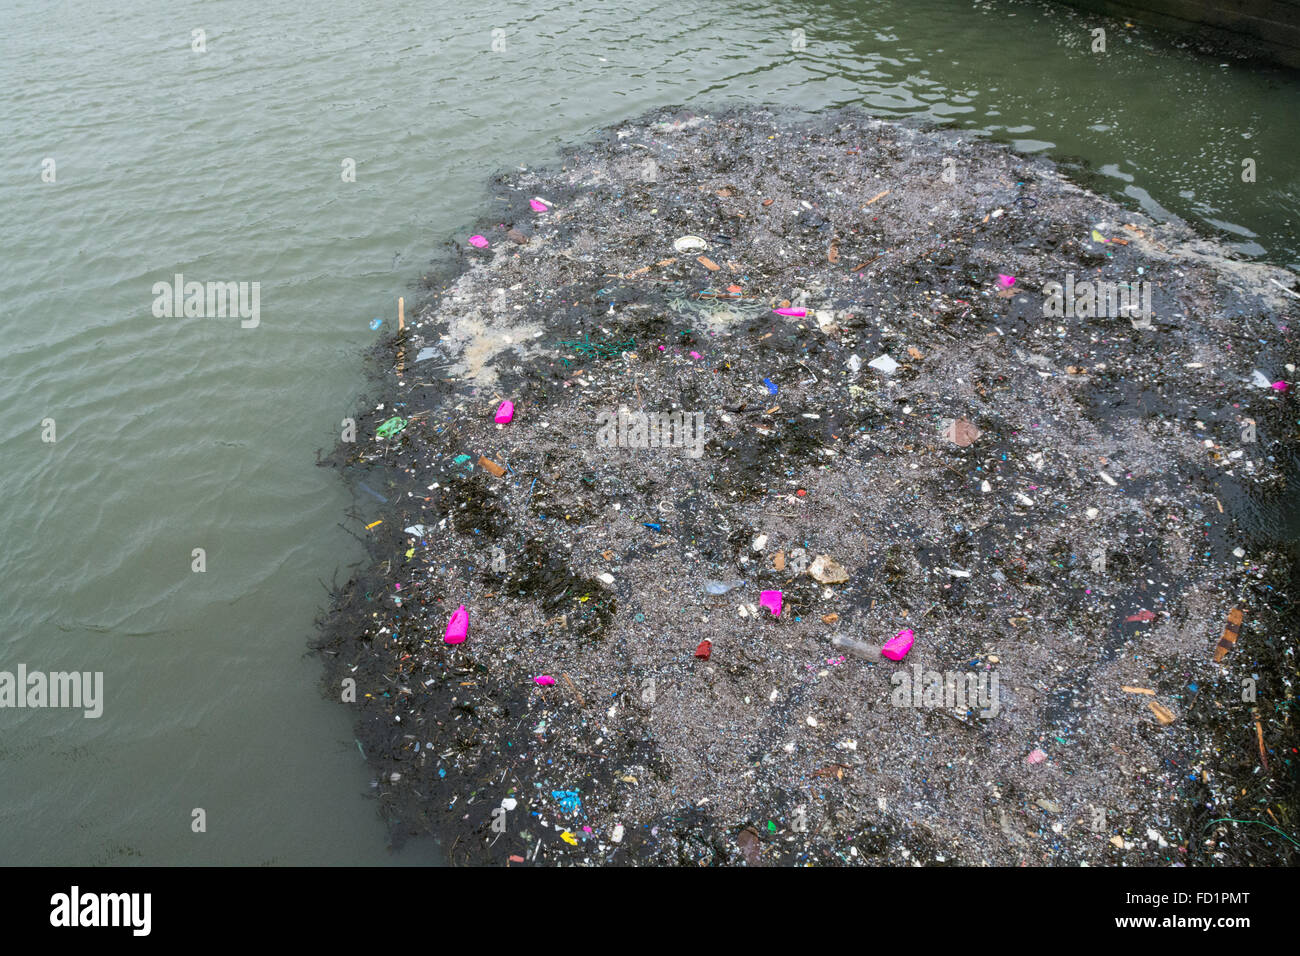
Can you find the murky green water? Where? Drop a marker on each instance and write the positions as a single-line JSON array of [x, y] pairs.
[[181, 433]]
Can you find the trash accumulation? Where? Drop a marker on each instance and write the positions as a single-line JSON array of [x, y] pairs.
[[843, 525]]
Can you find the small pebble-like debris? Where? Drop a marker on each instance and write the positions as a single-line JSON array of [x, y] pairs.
[[961, 433], [827, 571]]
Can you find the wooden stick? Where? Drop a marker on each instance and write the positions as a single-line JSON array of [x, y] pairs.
[[1163, 713], [574, 689], [401, 327], [1230, 635]]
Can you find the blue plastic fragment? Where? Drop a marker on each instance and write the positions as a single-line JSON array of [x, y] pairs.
[[570, 802], [376, 323], [771, 386], [653, 526]]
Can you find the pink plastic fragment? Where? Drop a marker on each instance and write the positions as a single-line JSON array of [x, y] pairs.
[[898, 646], [538, 205], [505, 413], [1280, 386], [478, 242], [1006, 281], [544, 680], [458, 626], [695, 355], [1036, 756], [796, 313], [772, 601]]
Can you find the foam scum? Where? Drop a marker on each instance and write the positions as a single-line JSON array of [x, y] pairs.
[[899, 433]]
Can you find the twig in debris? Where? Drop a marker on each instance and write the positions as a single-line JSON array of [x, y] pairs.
[[1283, 288], [353, 533], [1259, 735], [835, 768], [581, 703]]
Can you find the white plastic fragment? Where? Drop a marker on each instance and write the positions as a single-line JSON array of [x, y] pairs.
[[883, 363]]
